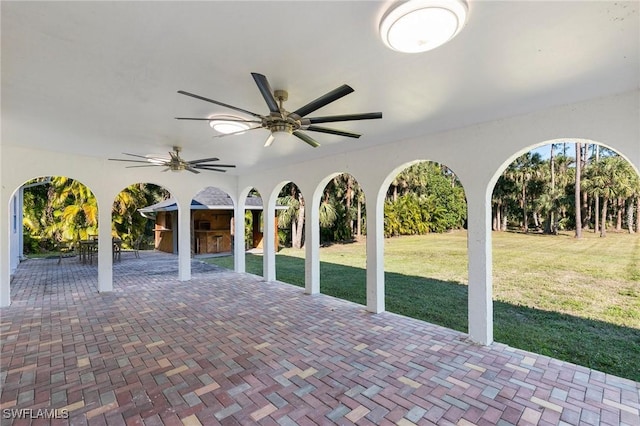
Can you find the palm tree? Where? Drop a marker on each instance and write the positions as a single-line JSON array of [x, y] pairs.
[[577, 191], [293, 216], [74, 210], [608, 179]]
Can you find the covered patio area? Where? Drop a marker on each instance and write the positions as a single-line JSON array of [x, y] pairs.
[[233, 348]]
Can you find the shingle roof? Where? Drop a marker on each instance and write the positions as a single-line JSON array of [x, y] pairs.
[[208, 199]]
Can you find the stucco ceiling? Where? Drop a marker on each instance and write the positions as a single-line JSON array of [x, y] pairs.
[[100, 78]]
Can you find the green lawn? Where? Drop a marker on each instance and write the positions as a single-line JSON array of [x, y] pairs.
[[576, 300]]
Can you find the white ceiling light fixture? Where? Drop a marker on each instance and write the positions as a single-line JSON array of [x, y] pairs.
[[420, 25], [228, 124]]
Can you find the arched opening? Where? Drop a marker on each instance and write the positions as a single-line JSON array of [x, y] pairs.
[[221, 238], [560, 288], [290, 218], [51, 216], [138, 219], [290, 212], [426, 272], [342, 217], [211, 223], [57, 209], [254, 222]]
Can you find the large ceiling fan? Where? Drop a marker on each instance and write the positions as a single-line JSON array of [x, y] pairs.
[[175, 163], [281, 120]]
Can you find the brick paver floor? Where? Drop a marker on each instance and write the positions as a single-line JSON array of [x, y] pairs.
[[227, 348]]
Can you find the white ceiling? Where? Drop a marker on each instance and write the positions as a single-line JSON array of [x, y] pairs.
[[100, 78]]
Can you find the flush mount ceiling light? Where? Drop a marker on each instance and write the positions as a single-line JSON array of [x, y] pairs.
[[420, 25], [227, 124]]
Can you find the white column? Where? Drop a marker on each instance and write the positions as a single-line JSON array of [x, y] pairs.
[[268, 235], [15, 231], [375, 253], [5, 260], [480, 273], [105, 245], [312, 246], [238, 238], [20, 220], [184, 240]]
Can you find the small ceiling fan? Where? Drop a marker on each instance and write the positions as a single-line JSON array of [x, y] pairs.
[[175, 163], [280, 120]]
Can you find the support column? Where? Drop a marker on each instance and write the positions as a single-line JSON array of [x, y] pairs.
[[5, 252], [184, 241], [105, 246], [480, 272], [312, 246], [239, 242], [375, 254], [268, 246]]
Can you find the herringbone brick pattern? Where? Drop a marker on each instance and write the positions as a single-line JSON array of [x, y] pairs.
[[227, 348]]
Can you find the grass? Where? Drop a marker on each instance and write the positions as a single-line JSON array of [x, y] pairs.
[[575, 300]]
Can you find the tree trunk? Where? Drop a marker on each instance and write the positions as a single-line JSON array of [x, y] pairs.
[[630, 210], [525, 214], [596, 210], [503, 215], [359, 224], [577, 193], [349, 197], [586, 210], [549, 226], [638, 214], [603, 225], [619, 211], [298, 236], [586, 206]]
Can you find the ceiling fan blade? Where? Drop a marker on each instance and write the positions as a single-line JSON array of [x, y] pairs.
[[236, 133], [346, 117], [192, 170], [216, 118], [269, 140], [130, 161], [216, 169], [267, 92], [136, 155], [212, 169], [333, 131], [306, 138], [323, 100], [204, 166], [182, 92], [148, 165], [203, 160]]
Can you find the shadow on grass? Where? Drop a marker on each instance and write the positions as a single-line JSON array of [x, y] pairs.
[[595, 344]]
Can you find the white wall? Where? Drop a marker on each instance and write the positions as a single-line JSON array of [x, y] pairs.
[[477, 154]]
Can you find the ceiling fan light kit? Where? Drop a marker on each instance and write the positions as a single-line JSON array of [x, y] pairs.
[[420, 25], [227, 124], [279, 121]]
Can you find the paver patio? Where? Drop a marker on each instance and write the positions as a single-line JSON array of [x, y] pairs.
[[227, 348]]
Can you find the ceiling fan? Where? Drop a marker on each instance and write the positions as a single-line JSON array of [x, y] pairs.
[[280, 120], [175, 163]]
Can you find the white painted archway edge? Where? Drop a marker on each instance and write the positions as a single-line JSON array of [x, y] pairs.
[[477, 154]]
